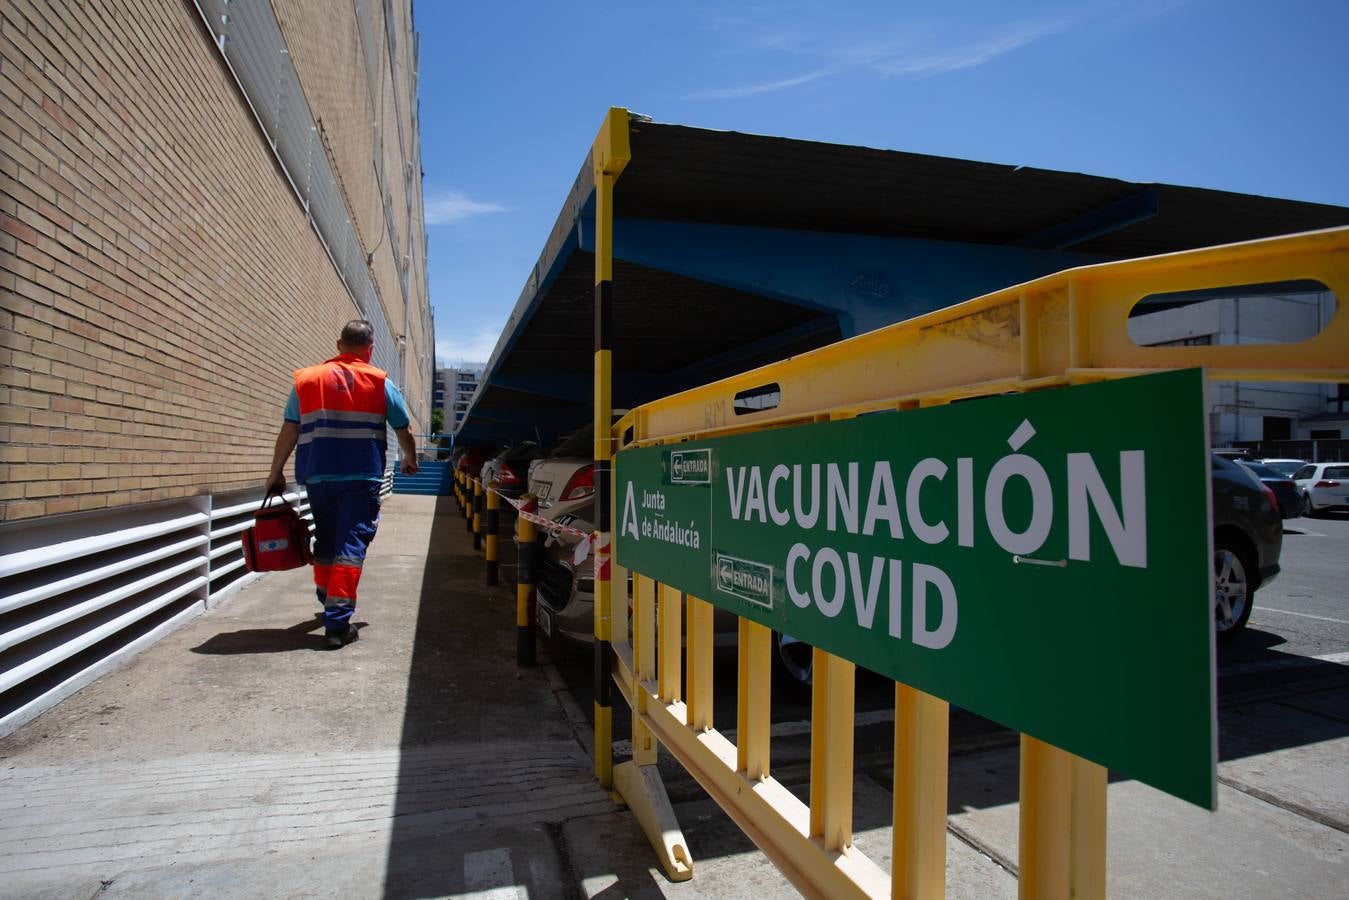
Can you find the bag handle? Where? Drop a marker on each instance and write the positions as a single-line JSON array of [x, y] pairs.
[[278, 493]]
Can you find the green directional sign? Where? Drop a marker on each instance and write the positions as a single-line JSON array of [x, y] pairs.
[[1043, 559]]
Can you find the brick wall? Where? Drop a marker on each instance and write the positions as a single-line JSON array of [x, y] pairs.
[[333, 62], [159, 278]]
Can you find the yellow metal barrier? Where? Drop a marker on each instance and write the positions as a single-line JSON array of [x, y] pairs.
[[1069, 328]]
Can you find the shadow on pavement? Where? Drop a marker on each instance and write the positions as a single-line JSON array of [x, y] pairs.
[[488, 766], [306, 635]]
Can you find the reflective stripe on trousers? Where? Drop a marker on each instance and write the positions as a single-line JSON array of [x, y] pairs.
[[346, 515]]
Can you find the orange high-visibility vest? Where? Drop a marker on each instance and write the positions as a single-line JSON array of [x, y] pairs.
[[342, 426]]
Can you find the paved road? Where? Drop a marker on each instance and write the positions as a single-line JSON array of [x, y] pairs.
[[1307, 607], [1283, 689]]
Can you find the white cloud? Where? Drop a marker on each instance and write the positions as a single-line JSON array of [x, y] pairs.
[[968, 56], [476, 347], [921, 47], [750, 90], [452, 206]]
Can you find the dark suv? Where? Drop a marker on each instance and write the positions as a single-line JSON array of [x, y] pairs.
[[1247, 540]]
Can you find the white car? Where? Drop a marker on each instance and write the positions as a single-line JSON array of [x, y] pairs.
[[1324, 487], [564, 481], [1284, 466]]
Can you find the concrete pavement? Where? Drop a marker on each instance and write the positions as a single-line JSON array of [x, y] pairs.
[[236, 759]]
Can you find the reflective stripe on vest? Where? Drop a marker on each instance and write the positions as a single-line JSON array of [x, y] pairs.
[[342, 426]]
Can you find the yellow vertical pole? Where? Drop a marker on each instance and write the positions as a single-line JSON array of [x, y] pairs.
[[1045, 817], [671, 637], [609, 155], [700, 663], [619, 604], [644, 663], [493, 525], [477, 514], [468, 501], [831, 750], [922, 724], [1063, 824], [524, 590], [754, 700], [1086, 873]]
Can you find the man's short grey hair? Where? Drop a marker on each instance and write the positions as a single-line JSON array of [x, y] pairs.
[[358, 333]]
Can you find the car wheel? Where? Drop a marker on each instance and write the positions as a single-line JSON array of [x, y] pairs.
[[795, 662], [1308, 509], [1233, 588]]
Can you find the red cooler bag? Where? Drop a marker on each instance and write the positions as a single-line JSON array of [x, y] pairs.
[[278, 538]]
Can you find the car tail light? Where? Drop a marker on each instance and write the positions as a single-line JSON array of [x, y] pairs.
[[1327, 483], [1269, 493], [581, 484], [506, 476]]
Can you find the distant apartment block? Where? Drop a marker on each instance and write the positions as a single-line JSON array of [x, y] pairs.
[[454, 391]]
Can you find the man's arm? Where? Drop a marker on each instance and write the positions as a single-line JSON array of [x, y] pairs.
[[286, 440], [409, 447]]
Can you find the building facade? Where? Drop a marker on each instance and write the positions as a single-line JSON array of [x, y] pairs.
[[196, 196], [455, 387], [1252, 411]]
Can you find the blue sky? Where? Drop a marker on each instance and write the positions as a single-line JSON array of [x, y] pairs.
[[1232, 94]]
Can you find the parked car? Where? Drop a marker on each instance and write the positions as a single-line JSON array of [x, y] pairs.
[[565, 588], [1247, 541], [1284, 488], [1324, 487], [564, 480], [469, 460], [509, 467], [1285, 467]]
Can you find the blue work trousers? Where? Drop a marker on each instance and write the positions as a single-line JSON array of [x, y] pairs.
[[346, 514]]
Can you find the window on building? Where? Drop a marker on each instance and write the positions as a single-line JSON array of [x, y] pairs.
[[1278, 428]]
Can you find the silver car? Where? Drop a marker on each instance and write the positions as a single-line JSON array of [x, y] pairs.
[[564, 480]]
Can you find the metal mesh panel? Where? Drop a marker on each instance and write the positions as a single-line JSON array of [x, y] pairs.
[[249, 37]]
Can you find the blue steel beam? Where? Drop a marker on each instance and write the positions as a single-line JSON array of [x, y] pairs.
[[864, 281], [1102, 220], [579, 388], [733, 361]]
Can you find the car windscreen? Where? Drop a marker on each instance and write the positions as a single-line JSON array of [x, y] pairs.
[[1336, 472], [1265, 471], [523, 451], [579, 445]]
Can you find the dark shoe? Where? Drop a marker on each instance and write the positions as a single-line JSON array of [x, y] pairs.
[[336, 640]]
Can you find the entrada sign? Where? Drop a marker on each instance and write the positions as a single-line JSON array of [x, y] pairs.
[[1040, 559]]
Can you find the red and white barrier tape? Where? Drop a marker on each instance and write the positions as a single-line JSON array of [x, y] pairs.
[[586, 538]]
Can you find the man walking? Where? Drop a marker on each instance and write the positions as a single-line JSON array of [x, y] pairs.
[[336, 414]]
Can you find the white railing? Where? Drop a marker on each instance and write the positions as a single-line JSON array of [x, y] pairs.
[[79, 594]]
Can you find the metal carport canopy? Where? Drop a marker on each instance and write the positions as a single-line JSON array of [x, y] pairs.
[[735, 250]]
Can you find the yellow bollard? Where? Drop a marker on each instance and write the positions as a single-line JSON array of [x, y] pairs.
[[493, 524], [475, 522], [525, 536]]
